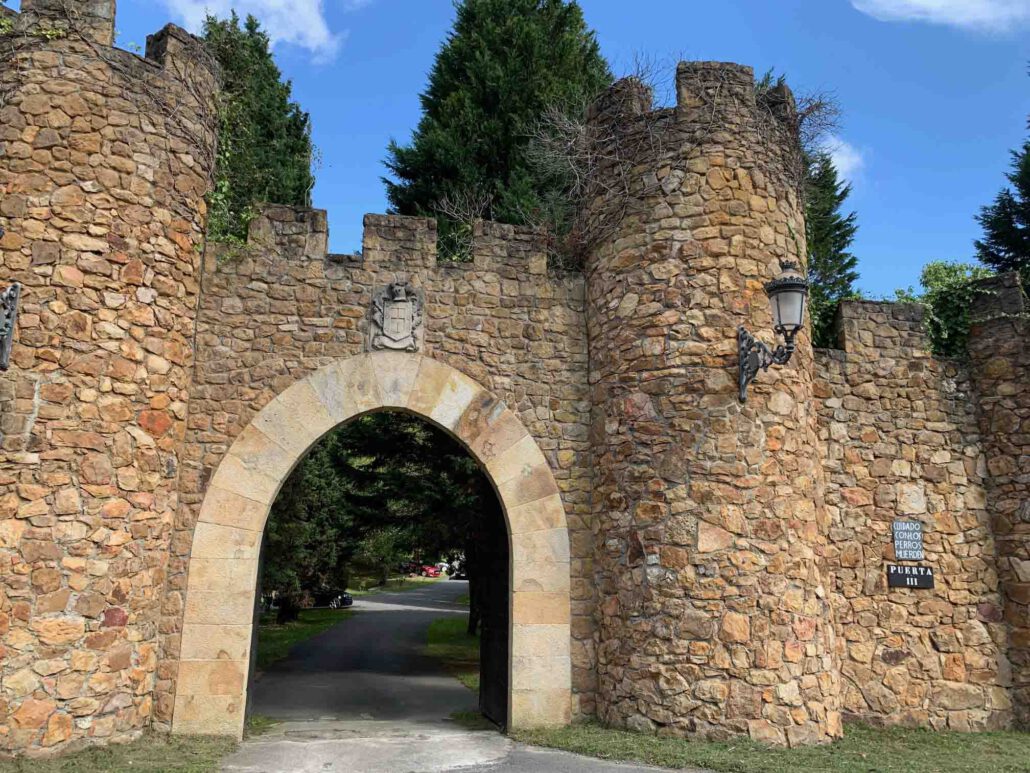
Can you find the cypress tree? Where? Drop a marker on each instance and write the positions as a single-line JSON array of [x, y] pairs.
[[264, 143], [503, 64], [1005, 245], [829, 232]]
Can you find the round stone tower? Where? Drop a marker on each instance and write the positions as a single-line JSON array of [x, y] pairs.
[[710, 526], [105, 158]]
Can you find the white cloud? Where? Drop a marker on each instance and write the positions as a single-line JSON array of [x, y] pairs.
[[848, 159], [980, 15], [356, 5], [298, 22]]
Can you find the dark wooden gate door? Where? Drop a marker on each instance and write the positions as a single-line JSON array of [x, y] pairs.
[[493, 643]]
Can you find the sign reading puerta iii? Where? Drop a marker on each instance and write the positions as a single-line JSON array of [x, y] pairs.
[[908, 546]]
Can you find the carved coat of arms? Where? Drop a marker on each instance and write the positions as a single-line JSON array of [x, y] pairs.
[[396, 318]]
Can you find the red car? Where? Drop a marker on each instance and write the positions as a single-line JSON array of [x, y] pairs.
[[430, 571]]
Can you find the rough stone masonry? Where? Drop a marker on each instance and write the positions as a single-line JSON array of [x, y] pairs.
[[727, 566]]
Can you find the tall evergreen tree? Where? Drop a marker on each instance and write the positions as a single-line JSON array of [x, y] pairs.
[[829, 232], [1005, 245], [309, 537], [504, 63], [264, 143]]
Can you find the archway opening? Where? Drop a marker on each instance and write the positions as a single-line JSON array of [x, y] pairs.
[[212, 681], [383, 587]]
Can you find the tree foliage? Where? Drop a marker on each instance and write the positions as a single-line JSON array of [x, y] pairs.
[[308, 541], [1005, 245], [264, 142], [503, 64], [384, 487], [830, 233], [947, 294]]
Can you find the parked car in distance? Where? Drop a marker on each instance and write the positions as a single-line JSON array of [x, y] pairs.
[[333, 598], [430, 571], [459, 573]]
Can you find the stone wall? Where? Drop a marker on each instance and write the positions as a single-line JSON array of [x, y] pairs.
[[901, 442], [714, 618], [727, 565], [280, 308], [1001, 372], [104, 160]]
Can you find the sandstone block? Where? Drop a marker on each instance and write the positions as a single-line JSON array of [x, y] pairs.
[[735, 627]]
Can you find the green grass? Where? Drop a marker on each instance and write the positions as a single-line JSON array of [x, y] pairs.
[[862, 750], [472, 720], [275, 641], [258, 724], [448, 642], [463, 599], [364, 586], [152, 753]]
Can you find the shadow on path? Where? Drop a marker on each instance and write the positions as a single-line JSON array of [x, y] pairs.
[[370, 666]]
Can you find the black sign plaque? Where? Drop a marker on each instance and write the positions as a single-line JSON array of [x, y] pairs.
[[909, 576]]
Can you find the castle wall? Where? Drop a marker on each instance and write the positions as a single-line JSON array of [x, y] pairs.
[[1000, 365], [714, 617], [728, 560], [275, 311], [901, 442], [104, 160]]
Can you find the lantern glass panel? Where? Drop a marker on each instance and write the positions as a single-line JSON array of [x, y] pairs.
[[788, 308]]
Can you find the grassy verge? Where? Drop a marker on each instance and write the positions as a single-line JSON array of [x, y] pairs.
[[472, 720], [394, 584], [258, 724], [862, 750], [150, 754], [275, 641], [449, 643]]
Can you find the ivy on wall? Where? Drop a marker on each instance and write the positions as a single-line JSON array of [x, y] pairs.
[[947, 295], [265, 152]]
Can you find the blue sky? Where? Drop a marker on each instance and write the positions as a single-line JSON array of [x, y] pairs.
[[935, 93]]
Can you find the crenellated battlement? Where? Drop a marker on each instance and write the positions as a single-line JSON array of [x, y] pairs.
[[401, 242], [92, 19], [715, 102], [172, 52], [998, 298], [868, 328]]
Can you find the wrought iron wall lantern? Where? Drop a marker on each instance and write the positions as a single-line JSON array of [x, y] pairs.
[[8, 316], [788, 294]]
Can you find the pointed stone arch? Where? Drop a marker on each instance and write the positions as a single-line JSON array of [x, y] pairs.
[[217, 624]]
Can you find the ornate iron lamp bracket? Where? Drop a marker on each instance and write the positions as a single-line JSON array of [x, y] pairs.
[[8, 317], [755, 356]]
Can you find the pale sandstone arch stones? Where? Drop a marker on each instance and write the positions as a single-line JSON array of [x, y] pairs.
[[217, 625]]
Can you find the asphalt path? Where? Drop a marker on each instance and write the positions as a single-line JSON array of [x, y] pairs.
[[371, 666], [363, 698]]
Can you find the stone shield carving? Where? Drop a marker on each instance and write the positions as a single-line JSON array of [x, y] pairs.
[[396, 318]]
